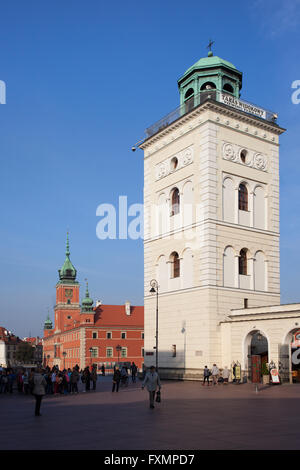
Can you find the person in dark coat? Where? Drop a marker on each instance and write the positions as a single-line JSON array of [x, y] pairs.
[[103, 369], [94, 377], [116, 379], [133, 372], [39, 384], [87, 379]]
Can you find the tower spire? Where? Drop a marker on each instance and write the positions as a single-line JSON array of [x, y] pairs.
[[67, 273], [68, 246], [87, 302]]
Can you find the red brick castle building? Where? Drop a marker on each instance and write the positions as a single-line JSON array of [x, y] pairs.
[[86, 335]]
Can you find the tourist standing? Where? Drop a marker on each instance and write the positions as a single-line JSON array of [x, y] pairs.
[[215, 374], [86, 378], [116, 379], [225, 375], [152, 381], [26, 382], [39, 383], [94, 377], [74, 380], [133, 372], [103, 369]]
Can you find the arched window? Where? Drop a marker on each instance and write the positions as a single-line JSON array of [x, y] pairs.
[[243, 197], [175, 201], [189, 100], [228, 88], [208, 86], [175, 264], [208, 91], [243, 262], [243, 156]]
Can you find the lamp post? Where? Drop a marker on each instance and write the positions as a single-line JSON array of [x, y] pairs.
[[64, 354], [154, 290], [48, 357], [91, 350], [118, 348]]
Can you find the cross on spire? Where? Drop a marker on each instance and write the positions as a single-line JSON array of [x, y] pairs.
[[210, 44]]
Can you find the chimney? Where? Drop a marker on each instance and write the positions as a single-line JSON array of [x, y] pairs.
[[127, 307], [98, 303]]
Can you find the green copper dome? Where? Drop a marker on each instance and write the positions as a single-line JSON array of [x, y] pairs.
[[87, 302], [209, 61], [67, 273], [48, 324], [207, 78]]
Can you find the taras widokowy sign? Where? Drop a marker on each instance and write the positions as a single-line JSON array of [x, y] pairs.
[[242, 105]]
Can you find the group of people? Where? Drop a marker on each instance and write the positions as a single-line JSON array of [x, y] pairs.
[[56, 381], [122, 376], [217, 377]]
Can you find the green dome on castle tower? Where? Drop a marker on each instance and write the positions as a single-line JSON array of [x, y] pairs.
[[48, 324], [87, 302]]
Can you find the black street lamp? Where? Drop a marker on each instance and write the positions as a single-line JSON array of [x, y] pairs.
[[91, 350], [154, 290], [118, 348]]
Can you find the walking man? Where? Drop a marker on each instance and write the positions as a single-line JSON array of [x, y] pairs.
[[206, 374], [152, 381], [215, 374], [38, 390], [133, 372]]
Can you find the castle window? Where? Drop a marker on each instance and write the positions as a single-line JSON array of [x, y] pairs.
[[243, 262], [175, 265], [109, 352], [108, 335], [68, 301], [175, 201], [123, 335], [243, 197]]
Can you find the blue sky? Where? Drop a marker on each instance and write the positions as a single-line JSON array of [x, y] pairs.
[[84, 79]]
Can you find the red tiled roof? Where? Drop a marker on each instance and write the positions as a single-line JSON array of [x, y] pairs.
[[8, 338], [115, 315]]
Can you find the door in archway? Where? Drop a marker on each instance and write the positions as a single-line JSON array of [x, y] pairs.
[[256, 368]]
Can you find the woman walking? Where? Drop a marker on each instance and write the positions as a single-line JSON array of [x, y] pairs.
[[39, 384], [153, 381]]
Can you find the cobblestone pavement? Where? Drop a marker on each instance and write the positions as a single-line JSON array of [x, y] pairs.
[[190, 416]]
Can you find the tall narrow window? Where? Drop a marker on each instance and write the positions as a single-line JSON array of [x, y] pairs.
[[175, 201], [189, 100], [243, 197], [176, 264], [243, 262]]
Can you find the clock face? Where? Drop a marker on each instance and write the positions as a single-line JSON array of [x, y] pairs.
[[69, 293]]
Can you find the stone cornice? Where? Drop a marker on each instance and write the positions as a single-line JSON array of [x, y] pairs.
[[221, 109]]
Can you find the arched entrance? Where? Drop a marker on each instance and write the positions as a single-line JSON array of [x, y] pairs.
[[257, 355], [289, 357]]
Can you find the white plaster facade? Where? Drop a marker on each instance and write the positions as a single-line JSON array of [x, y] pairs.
[[198, 310]]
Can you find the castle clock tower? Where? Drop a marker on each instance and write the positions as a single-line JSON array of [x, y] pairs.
[[211, 205], [67, 308]]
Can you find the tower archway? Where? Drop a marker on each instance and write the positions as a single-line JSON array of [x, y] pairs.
[[256, 354]]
